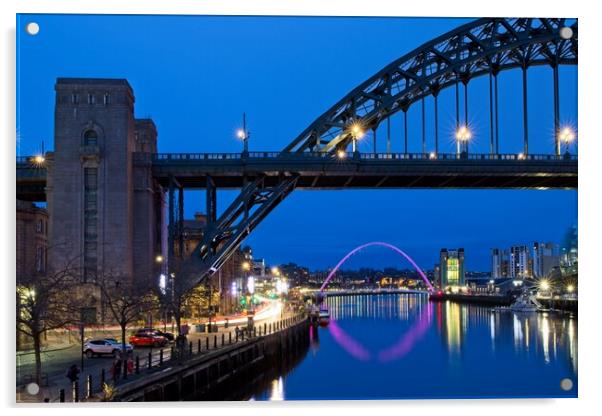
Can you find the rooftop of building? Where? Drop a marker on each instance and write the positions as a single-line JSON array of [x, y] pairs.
[[93, 81]]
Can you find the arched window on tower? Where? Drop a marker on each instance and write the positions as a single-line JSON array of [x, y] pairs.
[[90, 138]]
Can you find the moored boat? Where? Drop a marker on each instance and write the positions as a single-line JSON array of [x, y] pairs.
[[324, 316], [524, 303]]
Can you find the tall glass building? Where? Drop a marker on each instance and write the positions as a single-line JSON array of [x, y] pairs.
[[451, 267]]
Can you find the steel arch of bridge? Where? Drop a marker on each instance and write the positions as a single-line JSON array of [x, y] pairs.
[[485, 46]]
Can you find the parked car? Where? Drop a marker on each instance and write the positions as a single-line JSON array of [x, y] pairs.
[[104, 346], [147, 339], [168, 335]]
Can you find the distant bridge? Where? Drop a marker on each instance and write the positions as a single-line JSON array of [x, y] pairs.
[[365, 292]]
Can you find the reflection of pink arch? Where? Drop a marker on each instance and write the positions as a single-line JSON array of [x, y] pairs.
[[378, 243], [395, 352]]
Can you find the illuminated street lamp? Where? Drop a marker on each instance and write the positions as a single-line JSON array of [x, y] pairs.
[[243, 134], [275, 271], [570, 288], [566, 135], [246, 266], [357, 132], [159, 258], [544, 285], [39, 159], [463, 135], [341, 154]]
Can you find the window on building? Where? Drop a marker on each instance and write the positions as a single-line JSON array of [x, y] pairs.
[[107, 98], [40, 259], [40, 226], [90, 224], [90, 138], [452, 272], [74, 99], [91, 99]]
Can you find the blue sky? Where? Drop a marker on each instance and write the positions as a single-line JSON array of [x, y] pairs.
[[196, 75]]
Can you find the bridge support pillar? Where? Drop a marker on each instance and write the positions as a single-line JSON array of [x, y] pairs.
[[556, 110], [388, 135], [211, 202], [525, 113], [374, 139], [181, 221], [171, 202]]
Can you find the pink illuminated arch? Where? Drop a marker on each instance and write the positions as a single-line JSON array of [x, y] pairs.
[[378, 243]]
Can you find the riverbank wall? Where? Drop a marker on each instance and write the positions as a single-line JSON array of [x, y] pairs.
[[222, 374], [565, 305]]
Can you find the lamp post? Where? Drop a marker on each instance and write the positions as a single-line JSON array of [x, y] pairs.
[[566, 136], [463, 135], [357, 132], [243, 134]]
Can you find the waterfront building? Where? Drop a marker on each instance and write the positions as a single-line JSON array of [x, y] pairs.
[[451, 266], [32, 240], [520, 262], [569, 255], [258, 267], [437, 275], [546, 256], [105, 210]]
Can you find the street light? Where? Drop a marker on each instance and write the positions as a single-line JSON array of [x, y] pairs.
[[275, 271], [159, 258], [243, 134], [544, 285], [463, 135], [341, 154], [566, 135], [357, 132], [246, 266], [570, 288], [39, 159]]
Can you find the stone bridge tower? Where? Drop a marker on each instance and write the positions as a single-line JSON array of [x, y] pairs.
[[103, 210]]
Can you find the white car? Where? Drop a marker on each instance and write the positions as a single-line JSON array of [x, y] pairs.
[[104, 346]]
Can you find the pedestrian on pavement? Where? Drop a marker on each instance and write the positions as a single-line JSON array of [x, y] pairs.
[[73, 373], [130, 365], [116, 369]]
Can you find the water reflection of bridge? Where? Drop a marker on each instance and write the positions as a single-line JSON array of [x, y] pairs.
[[538, 336], [359, 292], [391, 306]]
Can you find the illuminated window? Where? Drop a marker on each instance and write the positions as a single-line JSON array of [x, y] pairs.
[[452, 272]]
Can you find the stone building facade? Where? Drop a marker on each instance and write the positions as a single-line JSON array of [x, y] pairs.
[[105, 210], [222, 280], [32, 240]]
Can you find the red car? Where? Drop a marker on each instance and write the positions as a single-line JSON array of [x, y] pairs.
[[147, 339]]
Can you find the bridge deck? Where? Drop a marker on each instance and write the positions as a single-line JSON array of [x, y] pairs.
[[360, 171], [369, 170]]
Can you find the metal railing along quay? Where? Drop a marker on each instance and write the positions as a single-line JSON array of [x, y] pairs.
[[90, 386]]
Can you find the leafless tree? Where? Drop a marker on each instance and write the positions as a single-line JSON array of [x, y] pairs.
[[45, 302], [183, 292], [126, 301]]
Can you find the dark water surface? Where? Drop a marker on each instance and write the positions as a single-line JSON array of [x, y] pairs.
[[403, 346]]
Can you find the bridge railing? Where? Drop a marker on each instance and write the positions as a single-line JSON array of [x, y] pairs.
[[342, 157], [159, 158]]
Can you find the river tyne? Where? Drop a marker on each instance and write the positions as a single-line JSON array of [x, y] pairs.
[[405, 347]]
